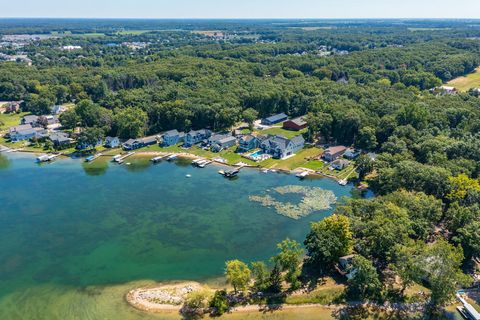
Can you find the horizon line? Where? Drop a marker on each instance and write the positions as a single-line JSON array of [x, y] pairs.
[[244, 18]]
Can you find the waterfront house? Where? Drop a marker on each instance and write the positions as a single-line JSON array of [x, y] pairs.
[[274, 119], [247, 143], [112, 142], [30, 119], [339, 164], [296, 124], [133, 144], [333, 153], [25, 132], [84, 145], [60, 139], [223, 142], [351, 154], [194, 137], [172, 137], [280, 147]]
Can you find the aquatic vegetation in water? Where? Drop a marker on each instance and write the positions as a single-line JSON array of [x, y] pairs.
[[313, 199]]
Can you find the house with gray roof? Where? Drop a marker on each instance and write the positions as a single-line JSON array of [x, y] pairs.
[[247, 143], [60, 139], [274, 119], [25, 132], [133, 144], [280, 147], [30, 119], [194, 137], [172, 137], [222, 142]]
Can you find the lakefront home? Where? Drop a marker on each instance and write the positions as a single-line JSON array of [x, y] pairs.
[[340, 164], [280, 147], [247, 143], [30, 119], [112, 142], [274, 119], [13, 107], [25, 132], [194, 137], [172, 137], [333, 153], [60, 139], [222, 142], [296, 124], [133, 144]]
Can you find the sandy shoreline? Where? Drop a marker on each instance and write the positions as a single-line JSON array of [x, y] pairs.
[[152, 299]]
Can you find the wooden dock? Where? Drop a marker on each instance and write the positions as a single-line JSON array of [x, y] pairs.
[[121, 159]]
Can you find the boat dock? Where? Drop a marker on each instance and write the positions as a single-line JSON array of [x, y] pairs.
[[157, 159], [93, 158], [467, 310], [172, 157], [302, 175], [201, 163], [47, 157], [122, 158], [230, 173]]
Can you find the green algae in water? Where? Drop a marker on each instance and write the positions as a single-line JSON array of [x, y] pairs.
[[313, 199]]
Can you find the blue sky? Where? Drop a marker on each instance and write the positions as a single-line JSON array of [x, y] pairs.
[[241, 8]]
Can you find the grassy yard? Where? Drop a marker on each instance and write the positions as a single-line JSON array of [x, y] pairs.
[[301, 159], [280, 131], [11, 119], [465, 83], [327, 293]]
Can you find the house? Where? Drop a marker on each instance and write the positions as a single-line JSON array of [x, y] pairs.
[[58, 109], [223, 143], [25, 132], [274, 119], [133, 144], [60, 139], [31, 120], [84, 145], [334, 153], [12, 107], [280, 147], [340, 164], [345, 266], [194, 137], [172, 137], [351, 154], [247, 143], [112, 142], [296, 124]]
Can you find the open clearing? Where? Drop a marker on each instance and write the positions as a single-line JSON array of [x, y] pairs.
[[468, 82]]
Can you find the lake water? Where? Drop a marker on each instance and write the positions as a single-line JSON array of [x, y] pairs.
[[75, 237]]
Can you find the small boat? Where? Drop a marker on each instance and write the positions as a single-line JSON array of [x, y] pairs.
[[265, 171], [46, 158], [343, 182], [188, 176], [116, 158], [172, 157], [89, 159], [156, 159], [302, 175], [128, 164]]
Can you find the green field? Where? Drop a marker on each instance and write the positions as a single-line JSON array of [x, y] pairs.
[[282, 132], [468, 82], [11, 119]]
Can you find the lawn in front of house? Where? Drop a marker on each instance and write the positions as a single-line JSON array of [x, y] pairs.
[[300, 159]]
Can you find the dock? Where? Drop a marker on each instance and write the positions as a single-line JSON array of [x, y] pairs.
[[121, 159], [230, 173], [157, 159], [204, 163], [172, 157], [47, 157], [93, 158], [467, 310], [302, 175]]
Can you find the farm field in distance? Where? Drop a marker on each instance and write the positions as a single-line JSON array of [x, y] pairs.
[[467, 82]]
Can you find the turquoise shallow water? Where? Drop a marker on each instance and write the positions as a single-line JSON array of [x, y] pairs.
[[70, 230]]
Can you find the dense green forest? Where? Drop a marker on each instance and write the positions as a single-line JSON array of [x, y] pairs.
[[423, 225]]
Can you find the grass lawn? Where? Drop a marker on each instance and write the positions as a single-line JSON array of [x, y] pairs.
[[327, 293], [468, 82], [10, 119], [301, 159], [280, 131]]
